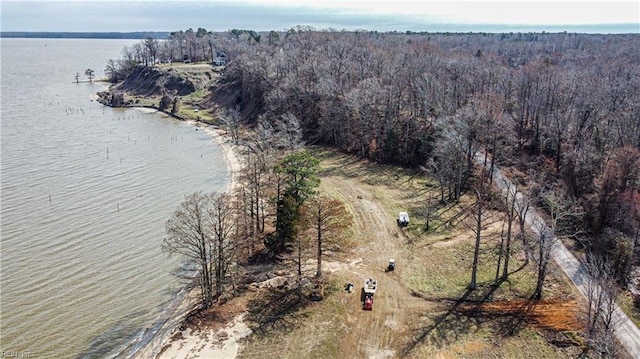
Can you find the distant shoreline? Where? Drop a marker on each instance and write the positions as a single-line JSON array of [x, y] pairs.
[[138, 35], [586, 29]]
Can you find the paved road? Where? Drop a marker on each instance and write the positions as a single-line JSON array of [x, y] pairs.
[[626, 331]]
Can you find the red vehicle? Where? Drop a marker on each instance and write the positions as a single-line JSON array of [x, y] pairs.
[[368, 302], [369, 289]]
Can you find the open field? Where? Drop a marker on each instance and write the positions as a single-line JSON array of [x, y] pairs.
[[423, 308]]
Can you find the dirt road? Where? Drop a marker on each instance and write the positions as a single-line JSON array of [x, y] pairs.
[[377, 332]]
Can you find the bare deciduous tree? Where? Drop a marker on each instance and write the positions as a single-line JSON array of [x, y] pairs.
[[329, 219], [223, 222], [231, 119], [522, 207], [113, 71], [511, 197], [562, 217], [451, 157], [151, 47], [478, 229], [200, 230], [543, 243], [600, 315]]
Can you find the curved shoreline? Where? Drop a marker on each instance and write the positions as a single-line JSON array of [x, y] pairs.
[[168, 323], [218, 136], [162, 329]]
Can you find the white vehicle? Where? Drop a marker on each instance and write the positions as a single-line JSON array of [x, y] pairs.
[[370, 286], [403, 219]]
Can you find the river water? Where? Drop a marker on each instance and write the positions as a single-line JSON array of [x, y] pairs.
[[86, 191]]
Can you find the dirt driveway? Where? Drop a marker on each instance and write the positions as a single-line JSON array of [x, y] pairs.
[[382, 332]]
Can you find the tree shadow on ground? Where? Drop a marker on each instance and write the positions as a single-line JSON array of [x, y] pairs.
[[276, 309], [448, 324], [463, 315], [351, 165], [507, 321], [443, 217]]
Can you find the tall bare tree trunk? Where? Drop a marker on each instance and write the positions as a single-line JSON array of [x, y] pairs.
[[510, 212], [319, 269], [476, 251], [299, 269]]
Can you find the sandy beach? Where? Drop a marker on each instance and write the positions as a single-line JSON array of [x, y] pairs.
[[170, 341], [210, 344], [228, 148]]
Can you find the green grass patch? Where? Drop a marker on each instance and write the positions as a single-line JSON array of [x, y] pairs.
[[445, 272], [189, 112], [196, 95], [144, 101], [529, 343], [627, 304]]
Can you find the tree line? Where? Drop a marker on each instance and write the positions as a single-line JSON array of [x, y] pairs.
[[562, 108], [178, 46]]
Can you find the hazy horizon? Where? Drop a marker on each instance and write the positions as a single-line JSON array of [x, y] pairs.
[[280, 15]]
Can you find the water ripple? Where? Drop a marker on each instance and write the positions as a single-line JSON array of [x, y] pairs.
[[86, 191]]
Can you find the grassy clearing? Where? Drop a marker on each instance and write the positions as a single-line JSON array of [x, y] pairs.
[[195, 96], [482, 344], [189, 111], [366, 172], [434, 265], [436, 271], [445, 272], [395, 189]]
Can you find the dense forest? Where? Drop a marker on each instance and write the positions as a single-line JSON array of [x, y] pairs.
[[561, 108]]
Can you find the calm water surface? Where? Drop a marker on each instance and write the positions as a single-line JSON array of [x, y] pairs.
[[86, 190]]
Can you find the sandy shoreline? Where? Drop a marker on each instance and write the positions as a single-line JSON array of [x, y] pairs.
[[211, 343], [220, 137]]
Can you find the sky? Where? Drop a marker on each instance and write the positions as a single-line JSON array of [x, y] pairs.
[[402, 15]]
